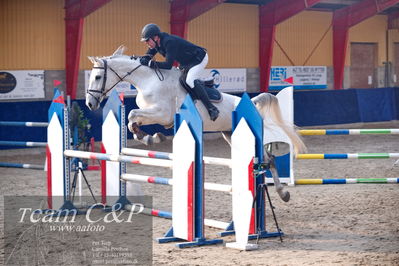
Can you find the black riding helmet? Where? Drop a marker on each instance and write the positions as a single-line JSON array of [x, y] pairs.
[[149, 31]]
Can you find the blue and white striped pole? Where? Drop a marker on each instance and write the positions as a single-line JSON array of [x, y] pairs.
[[22, 165], [23, 124], [376, 131], [23, 143]]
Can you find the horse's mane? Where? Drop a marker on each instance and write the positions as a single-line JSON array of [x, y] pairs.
[[119, 54], [173, 72], [110, 57]]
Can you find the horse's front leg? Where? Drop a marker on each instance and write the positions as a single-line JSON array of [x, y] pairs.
[[137, 132], [138, 117]]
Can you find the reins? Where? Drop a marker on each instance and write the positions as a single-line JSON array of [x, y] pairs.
[[104, 92], [158, 72], [105, 67]]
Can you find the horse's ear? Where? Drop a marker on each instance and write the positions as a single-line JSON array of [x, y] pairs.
[[92, 59], [120, 50]]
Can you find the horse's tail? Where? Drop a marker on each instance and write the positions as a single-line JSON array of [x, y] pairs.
[[268, 106]]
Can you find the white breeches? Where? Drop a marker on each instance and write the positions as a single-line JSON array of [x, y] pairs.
[[195, 72]]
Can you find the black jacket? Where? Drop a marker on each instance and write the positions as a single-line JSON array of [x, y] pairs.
[[174, 48]]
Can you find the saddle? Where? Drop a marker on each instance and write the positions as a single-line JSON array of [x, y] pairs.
[[214, 95]]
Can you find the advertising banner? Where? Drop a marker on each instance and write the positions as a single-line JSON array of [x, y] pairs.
[[301, 77], [228, 79], [21, 84]]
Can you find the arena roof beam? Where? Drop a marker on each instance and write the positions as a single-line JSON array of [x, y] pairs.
[[182, 11], [393, 22], [270, 15], [75, 12], [345, 18]]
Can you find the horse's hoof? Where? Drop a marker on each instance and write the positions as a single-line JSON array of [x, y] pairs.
[[286, 197], [147, 140], [130, 127], [158, 137], [134, 128]]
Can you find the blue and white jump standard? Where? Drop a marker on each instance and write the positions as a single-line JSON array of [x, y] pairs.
[[246, 136], [58, 171]]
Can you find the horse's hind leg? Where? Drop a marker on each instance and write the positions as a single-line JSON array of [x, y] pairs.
[[284, 195], [268, 158], [227, 136]]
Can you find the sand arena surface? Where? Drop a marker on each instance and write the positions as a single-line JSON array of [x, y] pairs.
[[355, 224]]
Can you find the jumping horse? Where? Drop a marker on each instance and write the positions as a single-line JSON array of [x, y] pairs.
[[160, 94]]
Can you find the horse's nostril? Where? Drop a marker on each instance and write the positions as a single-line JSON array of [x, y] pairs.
[[90, 105]]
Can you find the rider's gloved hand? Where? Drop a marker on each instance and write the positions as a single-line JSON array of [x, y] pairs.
[[152, 63], [144, 60]]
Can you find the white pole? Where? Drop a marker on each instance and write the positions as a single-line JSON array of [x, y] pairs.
[[216, 224], [169, 181], [165, 155]]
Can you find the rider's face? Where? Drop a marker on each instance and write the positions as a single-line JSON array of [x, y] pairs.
[[150, 42]]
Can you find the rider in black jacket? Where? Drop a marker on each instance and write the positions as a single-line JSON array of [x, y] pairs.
[[190, 57]]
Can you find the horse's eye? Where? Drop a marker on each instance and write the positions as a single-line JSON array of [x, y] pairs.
[[98, 77]]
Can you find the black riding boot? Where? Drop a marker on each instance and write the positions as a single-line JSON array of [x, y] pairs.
[[201, 93]]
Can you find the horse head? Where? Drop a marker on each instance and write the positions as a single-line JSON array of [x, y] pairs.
[[105, 76]]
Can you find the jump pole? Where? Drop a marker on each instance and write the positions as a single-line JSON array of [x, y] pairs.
[[327, 156], [284, 163], [169, 156], [22, 165], [23, 143], [336, 181], [375, 131], [23, 124]]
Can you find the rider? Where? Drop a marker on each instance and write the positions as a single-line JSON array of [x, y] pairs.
[[191, 57]]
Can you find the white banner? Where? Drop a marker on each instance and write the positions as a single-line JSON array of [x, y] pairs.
[[122, 86], [228, 79], [21, 84], [301, 77]]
